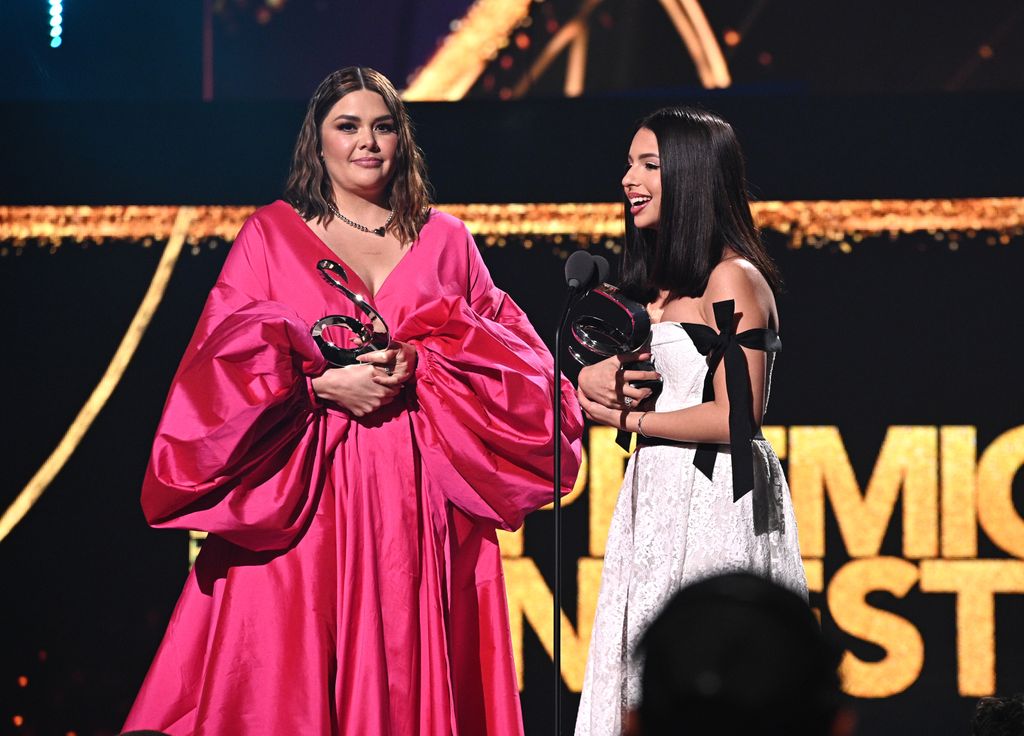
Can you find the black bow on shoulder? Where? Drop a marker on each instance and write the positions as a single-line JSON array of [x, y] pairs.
[[726, 343]]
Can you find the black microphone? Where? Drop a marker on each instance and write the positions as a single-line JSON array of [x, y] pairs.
[[579, 270], [603, 268]]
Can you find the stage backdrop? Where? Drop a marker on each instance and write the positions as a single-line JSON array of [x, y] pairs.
[[896, 407]]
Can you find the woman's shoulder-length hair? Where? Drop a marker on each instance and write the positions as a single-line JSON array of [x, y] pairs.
[[704, 208], [309, 189]]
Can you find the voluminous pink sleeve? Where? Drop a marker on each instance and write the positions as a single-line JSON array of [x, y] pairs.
[[484, 390], [238, 449]]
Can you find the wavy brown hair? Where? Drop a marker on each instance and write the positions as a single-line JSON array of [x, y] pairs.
[[309, 188]]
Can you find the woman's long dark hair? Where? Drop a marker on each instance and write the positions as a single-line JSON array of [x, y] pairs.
[[704, 208], [309, 187]]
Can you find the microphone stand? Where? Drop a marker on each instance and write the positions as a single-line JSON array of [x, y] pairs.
[[580, 270], [557, 504]]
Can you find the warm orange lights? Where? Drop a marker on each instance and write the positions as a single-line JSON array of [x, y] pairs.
[[23, 681], [804, 223], [731, 37], [462, 56], [489, 26]]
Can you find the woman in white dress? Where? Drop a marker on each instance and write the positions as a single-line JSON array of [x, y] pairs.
[[704, 492]]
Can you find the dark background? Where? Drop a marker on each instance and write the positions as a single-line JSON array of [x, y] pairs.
[[877, 100], [280, 49]]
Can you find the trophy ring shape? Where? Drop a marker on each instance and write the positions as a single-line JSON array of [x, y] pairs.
[[373, 334]]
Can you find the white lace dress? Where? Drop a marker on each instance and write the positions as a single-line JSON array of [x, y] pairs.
[[673, 526]]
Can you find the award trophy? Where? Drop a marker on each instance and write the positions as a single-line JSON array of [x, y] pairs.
[[617, 325], [356, 337]]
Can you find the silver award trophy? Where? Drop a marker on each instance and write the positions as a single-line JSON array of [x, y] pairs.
[[355, 336], [614, 324]]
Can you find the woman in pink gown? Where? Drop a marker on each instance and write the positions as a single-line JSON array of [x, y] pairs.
[[351, 582]]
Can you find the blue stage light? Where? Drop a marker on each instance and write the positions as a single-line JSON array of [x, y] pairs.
[[56, 23]]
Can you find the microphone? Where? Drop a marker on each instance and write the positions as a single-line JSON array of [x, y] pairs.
[[603, 267], [580, 269], [582, 272]]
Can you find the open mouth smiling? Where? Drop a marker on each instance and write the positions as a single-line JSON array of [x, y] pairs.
[[637, 202]]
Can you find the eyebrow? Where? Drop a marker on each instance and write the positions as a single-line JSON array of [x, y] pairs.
[[357, 119], [648, 155]]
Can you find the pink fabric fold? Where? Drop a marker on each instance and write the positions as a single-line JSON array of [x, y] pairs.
[[475, 379], [240, 448]]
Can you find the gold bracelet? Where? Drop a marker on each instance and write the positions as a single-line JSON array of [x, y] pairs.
[[640, 425]]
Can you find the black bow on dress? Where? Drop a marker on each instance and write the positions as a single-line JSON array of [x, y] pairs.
[[726, 343]]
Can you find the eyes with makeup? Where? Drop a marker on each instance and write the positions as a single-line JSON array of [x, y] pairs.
[[383, 127], [649, 165]]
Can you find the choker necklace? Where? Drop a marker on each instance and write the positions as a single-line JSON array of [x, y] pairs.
[[378, 231]]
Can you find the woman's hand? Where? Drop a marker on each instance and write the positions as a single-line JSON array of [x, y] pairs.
[[355, 388], [396, 364], [602, 414], [607, 382]]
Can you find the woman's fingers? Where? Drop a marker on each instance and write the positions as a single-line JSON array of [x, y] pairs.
[[397, 362], [613, 398], [606, 384], [586, 404], [625, 359], [383, 379], [631, 376], [357, 388], [379, 357], [636, 394]]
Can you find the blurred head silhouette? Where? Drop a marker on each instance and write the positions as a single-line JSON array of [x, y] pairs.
[[736, 654], [999, 717]]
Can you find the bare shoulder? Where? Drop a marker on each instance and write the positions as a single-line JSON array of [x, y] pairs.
[[739, 280], [736, 275]]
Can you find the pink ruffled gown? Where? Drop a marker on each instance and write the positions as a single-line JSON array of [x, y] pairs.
[[351, 582]]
